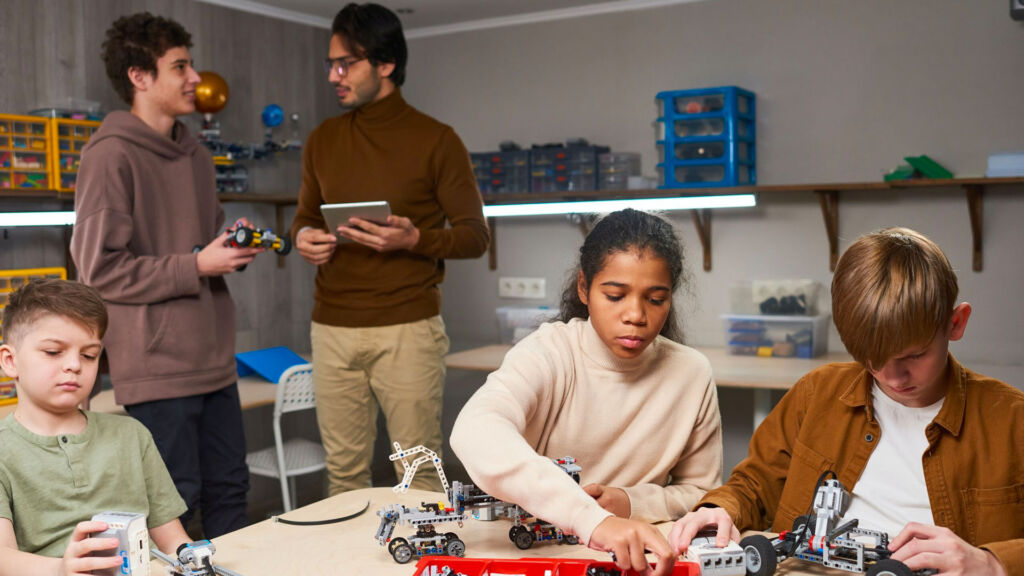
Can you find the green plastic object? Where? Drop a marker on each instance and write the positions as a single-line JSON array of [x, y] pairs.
[[902, 172], [928, 167]]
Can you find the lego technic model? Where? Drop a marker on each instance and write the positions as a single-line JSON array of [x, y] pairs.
[[242, 236], [193, 559], [715, 561], [462, 499], [823, 538], [426, 541]]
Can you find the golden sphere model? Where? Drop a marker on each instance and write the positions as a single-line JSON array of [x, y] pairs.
[[211, 93]]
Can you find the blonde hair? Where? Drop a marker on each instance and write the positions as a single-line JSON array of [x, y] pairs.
[[892, 289]]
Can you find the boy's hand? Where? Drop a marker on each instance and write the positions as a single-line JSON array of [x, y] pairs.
[[315, 246], [216, 259], [614, 500], [686, 528], [398, 234], [920, 546], [628, 540], [78, 559]]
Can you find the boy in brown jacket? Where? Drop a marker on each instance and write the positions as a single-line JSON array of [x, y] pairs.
[[929, 450]]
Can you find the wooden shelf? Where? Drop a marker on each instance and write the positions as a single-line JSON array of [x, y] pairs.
[[828, 197]]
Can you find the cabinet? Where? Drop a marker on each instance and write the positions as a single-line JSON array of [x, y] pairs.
[[24, 148], [69, 137]]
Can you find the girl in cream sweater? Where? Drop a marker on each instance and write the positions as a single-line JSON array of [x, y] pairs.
[[609, 384]]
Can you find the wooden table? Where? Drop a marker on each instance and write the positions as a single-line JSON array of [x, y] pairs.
[[762, 375], [274, 549], [253, 392]]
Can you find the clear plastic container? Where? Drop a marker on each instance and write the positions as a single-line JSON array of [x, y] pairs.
[[776, 336]]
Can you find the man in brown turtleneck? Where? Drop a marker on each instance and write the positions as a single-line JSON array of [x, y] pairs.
[[377, 334]]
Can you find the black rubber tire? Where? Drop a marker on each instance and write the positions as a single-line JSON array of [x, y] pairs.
[[759, 555], [402, 552], [889, 567], [455, 547], [285, 247], [570, 539], [244, 236], [513, 531], [804, 519], [523, 539]]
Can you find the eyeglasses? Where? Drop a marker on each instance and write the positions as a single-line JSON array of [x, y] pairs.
[[340, 65]]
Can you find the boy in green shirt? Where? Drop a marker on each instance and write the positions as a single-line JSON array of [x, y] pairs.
[[60, 465]]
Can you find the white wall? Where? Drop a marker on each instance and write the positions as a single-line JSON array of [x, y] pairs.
[[845, 91]]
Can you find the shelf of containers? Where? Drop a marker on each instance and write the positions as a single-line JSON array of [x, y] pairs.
[[24, 147], [707, 137], [564, 168], [504, 172], [70, 137]]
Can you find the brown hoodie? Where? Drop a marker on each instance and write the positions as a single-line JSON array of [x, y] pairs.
[[142, 202]]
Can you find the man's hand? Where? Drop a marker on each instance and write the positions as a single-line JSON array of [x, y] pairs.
[[398, 234], [218, 259], [687, 527], [920, 546], [77, 558], [628, 540], [316, 246], [614, 500]]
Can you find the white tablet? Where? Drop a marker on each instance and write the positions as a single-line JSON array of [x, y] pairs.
[[338, 214]]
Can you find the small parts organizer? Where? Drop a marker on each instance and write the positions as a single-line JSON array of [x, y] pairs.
[[69, 138], [707, 137], [11, 280], [24, 152], [41, 153]]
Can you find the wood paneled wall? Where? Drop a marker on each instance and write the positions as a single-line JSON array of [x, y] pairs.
[[50, 52]]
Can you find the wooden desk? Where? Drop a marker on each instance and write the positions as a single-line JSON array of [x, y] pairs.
[[762, 375], [272, 549], [253, 392]]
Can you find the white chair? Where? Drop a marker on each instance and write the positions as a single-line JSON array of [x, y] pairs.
[[287, 459]]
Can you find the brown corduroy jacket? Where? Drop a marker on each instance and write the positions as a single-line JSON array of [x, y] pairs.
[[973, 468]]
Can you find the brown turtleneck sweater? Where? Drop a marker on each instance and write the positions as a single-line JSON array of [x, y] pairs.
[[388, 150]]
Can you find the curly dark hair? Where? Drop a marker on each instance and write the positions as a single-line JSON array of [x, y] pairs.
[[624, 231], [138, 41], [373, 32]]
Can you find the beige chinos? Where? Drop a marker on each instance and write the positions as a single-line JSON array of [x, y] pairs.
[[399, 368]]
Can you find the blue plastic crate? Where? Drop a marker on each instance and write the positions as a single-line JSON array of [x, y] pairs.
[[708, 137]]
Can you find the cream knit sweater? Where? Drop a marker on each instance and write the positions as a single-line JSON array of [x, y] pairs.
[[649, 425]]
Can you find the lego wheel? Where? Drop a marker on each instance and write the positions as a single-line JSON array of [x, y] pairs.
[[401, 551], [889, 567], [759, 555], [243, 236], [572, 540], [285, 247], [513, 531], [800, 521], [455, 547], [523, 539]]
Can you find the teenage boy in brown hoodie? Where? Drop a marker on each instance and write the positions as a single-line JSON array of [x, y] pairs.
[[145, 196]]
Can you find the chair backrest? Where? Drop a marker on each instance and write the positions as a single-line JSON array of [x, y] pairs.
[[295, 390]]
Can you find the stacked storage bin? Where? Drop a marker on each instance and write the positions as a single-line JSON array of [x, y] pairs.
[[558, 169], [504, 172], [615, 168], [707, 137]]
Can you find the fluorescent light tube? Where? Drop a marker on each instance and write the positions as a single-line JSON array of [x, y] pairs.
[[12, 219], [604, 206]]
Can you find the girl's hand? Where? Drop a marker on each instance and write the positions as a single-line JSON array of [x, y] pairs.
[[628, 540], [614, 500]]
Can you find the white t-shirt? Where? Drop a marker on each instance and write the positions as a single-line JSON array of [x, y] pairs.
[[892, 491]]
